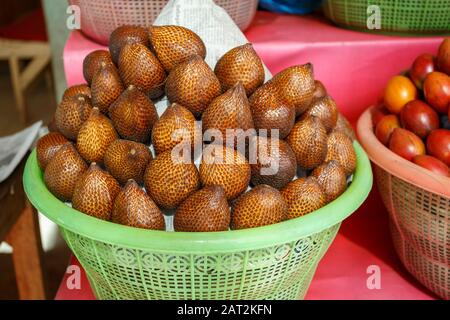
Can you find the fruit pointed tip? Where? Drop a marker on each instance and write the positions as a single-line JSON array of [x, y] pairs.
[[133, 152]]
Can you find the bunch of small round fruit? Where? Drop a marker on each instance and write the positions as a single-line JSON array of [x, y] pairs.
[[413, 120], [110, 122]]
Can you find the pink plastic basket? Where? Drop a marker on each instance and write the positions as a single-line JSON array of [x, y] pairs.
[[418, 202], [100, 17]]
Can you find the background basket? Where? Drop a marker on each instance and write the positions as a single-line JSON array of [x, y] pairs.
[[100, 17], [418, 202], [397, 16], [271, 262]]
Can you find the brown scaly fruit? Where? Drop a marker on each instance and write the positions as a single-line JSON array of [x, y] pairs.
[[177, 124], [228, 113], [133, 207], [127, 160], [325, 109], [261, 206], [95, 136], [240, 64], [340, 148], [270, 111], [296, 86], [76, 90], [275, 163], [52, 125], [206, 210], [175, 44], [169, 181], [124, 35], [192, 84], [63, 171], [93, 62], [344, 126], [303, 196], [133, 115], [319, 90], [139, 67], [331, 177], [95, 192], [70, 115], [47, 146], [308, 140], [106, 87], [226, 167]]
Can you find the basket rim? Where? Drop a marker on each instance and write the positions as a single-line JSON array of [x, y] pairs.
[[396, 165], [201, 242]]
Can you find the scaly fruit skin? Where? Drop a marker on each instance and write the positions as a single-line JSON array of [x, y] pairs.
[[133, 207], [344, 126], [240, 64], [95, 136], [93, 62], [192, 84], [169, 182], [331, 177], [303, 196], [273, 155], [124, 35], [296, 85], [228, 113], [261, 206], [340, 148], [63, 171], [133, 115], [206, 210], [308, 140], [225, 167], [319, 90], [70, 115], [176, 119], [106, 87], [47, 146], [95, 192], [139, 67], [76, 90], [270, 111], [325, 109], [127, 160], [175, 44]]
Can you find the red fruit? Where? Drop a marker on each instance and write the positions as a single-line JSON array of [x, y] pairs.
[[438, 145], [419, 118], [406, 144], [378, 113], [399, 91], [385, 127], [443, 57], [437, 91], [432, 164], [421, 67]]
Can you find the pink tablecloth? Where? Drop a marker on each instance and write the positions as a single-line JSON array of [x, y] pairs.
[[354, 67]]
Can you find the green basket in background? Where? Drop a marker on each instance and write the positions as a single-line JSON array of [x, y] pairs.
[[271, 262], [397, 16]]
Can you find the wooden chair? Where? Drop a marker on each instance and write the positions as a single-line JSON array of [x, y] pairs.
[[15, 51], [19, 226]]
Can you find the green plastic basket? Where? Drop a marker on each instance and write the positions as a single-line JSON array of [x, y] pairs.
[[397, 16], [271, 262]]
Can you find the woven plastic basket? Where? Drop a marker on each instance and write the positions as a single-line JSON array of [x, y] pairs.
[[418, 202], [397, 16], [100, 17], [271, 262]]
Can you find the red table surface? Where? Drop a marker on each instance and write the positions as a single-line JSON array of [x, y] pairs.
[[354, 67]]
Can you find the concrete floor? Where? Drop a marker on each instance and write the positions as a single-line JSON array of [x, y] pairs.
[[41, 106]]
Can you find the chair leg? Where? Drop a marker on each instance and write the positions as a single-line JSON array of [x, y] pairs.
[[18, 94], [25, 240]]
